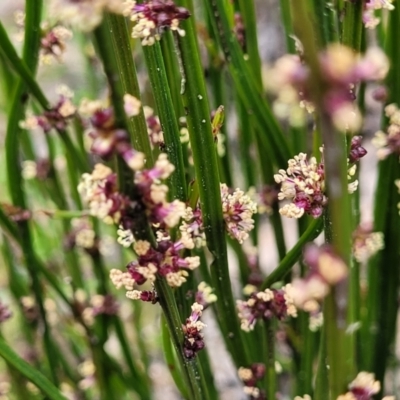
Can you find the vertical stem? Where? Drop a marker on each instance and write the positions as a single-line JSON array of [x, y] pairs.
[[340, 357], [206, 167], [169, 122], [15, 182]]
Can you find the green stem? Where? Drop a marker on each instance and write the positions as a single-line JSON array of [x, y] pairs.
[[115, 49], [23, 67], [169, 124], [141, 382], [338, 226], [206, 168], [284, 267], [271, 373], [29, 372], [197, 389], [274, 144], [170, 359], [15, 182]]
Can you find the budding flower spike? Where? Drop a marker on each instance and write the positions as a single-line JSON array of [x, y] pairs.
[[303, 183], [152, 17], [341, 71]]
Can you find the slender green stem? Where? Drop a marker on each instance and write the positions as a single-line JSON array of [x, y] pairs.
[[15, 183], [170, 359], [169, 122], [116, 53], [379, 327], [22, 67], [270, 372], [339, 220], [206, 167], [274, 144], [197, 389], [32, 374], [352, 24], [284, 267], [9, 226]]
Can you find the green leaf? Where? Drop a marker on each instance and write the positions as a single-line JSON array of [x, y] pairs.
[[29, 372]]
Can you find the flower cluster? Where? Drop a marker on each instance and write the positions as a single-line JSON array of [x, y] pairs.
[[269, 303], [303, 182], [97, 305], [389, 143], [154, 194], [238, 209], [99, 191], [191, 229], [268, 197], [397, 183], [154, 129], [52, 43], [341, 70], [370, 20], [57, 117], [193, 341], [152, 17], [366, 243], [240, 30], [166, 261], [204, 295], [356, 150], [53, 39], [362, 388], [107, 139], [39, 168], [84, 15], [326, 269], [250, 377], [16, 214], [82, 235], [5, 312]]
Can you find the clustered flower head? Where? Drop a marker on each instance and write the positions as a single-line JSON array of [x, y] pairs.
[[238, 209], [326, 270], [303, 182], [107, 138], [370, 20], [204, 295], [154, 129], [268, 197], [98, 304], [240, 30], [84, 15], [362, 388], [82, 235], [191, 229], [99, 190], [389, 142], [193, 341], [366, 243], [154, 194], [56, 117], [341, 70], [152, 17], [16, 214], [166, 260], [39, 169], [267, 304], [5, 312], [250, 377], [53, 43]]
